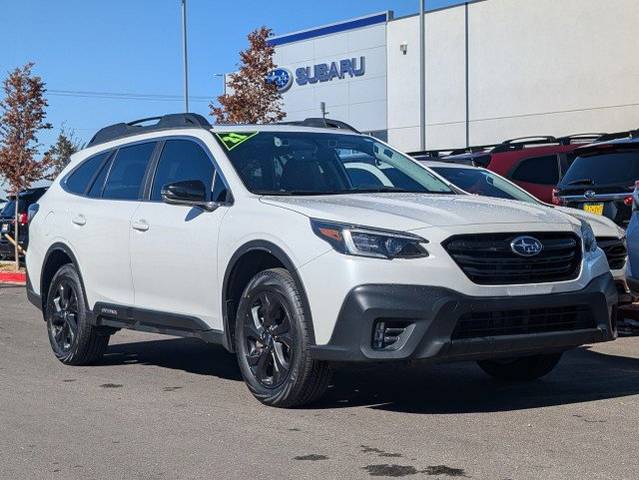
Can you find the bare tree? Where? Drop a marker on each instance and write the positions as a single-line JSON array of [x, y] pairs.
[[252, 99], [22, 116], [60, 153]]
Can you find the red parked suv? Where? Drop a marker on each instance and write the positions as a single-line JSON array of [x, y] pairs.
[[534, 163]]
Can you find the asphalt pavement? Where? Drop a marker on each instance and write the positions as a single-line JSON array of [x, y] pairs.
[[170, 408]]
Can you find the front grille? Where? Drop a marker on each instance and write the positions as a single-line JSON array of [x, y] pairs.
[[615, 250], [523, 322], [488, 259]]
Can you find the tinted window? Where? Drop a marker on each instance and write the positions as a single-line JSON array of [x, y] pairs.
[[296, 163], [96, 189], [614, 167], [127, 172], [182, 160], [9, 209], [483, 182], [361, 178], [542, 170], [79, 180]]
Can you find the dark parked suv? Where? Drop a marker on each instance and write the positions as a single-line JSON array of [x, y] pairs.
[[7, 219], [602, 177]]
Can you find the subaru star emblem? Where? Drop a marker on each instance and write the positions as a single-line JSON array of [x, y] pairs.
[[526, 246], [589, 194], [282, 78]]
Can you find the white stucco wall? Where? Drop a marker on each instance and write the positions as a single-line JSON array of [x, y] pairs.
[[535, 67], [360, 101]]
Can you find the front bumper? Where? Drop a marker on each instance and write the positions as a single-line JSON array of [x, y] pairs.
[[432, 314]]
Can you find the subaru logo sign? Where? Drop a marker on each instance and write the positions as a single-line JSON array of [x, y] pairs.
[[526, 246], [282, 78]]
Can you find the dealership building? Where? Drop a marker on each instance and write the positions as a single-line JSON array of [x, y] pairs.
[[495, 69]]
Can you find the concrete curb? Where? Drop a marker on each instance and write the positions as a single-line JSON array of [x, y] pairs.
[[13, 277]]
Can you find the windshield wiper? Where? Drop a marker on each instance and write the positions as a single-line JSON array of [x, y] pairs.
[[582, 181]]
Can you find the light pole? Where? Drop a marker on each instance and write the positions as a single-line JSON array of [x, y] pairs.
[[186, 62], [223, 75], [422, 77]]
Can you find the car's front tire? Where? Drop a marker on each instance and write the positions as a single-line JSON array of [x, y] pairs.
[[272, 339], [73, 339], [521, 369]]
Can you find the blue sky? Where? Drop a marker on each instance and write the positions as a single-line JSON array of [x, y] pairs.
[[134, 46]]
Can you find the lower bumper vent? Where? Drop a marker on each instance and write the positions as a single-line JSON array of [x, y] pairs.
[[523, 322]]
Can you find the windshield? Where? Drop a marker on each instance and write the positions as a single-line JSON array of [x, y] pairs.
[[483, 182], [602, 169], [300, 163]]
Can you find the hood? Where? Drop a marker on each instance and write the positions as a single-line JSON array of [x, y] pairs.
[[411, 211], [601, 226]]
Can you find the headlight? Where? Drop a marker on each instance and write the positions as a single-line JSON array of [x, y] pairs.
[[369, 242], [588, 237]]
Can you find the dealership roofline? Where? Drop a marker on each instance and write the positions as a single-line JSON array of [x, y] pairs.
[[439, 9], [345, 25]]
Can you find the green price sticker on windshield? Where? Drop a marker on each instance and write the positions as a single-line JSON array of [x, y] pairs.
[[232, 139]]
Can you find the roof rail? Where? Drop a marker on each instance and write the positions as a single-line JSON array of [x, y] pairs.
[[164, 122], [320, 122], [580, 138], [531, 139], [618, 135]]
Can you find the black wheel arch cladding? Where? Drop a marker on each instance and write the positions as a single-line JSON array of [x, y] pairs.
[[57, 255], [231, 287]]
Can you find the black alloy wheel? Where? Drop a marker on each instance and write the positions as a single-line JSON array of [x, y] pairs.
[[74, 340], [64, 311], [273, 336], [269, 339]]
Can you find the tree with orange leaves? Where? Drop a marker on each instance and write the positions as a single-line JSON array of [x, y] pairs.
[[22, 116], [253, 99]]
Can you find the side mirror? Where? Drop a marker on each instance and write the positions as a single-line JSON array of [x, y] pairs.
[[190, 193]]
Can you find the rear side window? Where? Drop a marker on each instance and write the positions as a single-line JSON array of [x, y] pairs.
[[98, 184], [78, 181], [127, 172], [541, 170], [182, 160]]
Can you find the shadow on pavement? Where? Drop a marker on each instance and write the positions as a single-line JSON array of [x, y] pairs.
[[583, 375], [188, 354]]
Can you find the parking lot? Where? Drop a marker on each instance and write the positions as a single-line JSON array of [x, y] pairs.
[[170, 408]]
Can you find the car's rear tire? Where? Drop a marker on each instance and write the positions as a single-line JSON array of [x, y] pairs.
[[272, 339], [73, 339], [521, 369]]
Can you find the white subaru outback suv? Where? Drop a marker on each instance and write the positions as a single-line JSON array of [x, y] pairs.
[[259, 238]]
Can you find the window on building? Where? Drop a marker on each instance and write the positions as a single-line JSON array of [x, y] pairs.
[[127, 172], [542, 170]]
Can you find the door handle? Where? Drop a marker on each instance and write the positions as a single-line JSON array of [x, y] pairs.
[[140, 225], [79, 220]]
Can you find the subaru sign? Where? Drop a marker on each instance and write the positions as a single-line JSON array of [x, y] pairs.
[[324, 72], [282, 78], [321, 72]]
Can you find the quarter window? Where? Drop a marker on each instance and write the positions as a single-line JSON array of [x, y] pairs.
[[127, 172], [78, 181], [182, 160], [541, 170]]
